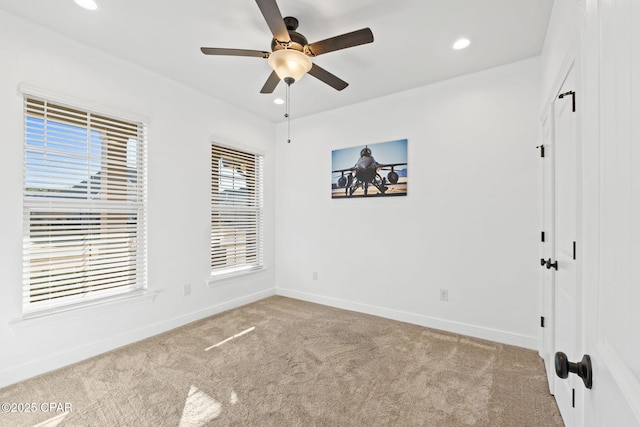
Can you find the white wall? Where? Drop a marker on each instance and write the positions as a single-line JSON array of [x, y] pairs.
[[181, 124], [469, 223]]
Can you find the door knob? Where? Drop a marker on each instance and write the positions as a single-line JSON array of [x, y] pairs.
[[582, 368], [552, 264], [542, 262]]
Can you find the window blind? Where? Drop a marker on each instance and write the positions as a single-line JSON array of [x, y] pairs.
[[84, 205], [236, 211]]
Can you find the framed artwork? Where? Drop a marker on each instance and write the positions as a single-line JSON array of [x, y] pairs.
[[373, 170]]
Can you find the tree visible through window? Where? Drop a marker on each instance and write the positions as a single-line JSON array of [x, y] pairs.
[[84, 206], [236, 211]]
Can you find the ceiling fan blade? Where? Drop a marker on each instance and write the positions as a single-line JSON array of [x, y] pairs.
[[325, 76], [354, 38], [272, 15], [234, 52], [271, 83]]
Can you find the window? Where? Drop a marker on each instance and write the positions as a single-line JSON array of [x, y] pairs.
[[236, 211], [84, 206]]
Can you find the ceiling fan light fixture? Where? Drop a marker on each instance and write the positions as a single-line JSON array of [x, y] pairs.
[[290, 63]]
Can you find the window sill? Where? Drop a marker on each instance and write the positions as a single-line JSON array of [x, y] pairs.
[[71, 311], [224, 279]]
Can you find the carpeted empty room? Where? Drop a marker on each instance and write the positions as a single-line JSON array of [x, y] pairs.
[[285, 362]]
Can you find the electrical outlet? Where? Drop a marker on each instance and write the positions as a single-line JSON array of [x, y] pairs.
[[315, 275], [187, 289], [444, 295]]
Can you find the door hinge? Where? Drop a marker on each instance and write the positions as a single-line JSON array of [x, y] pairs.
[[574, 250], [541, 147], [573, 97], [542, 236], [542, 321], [573, 397]]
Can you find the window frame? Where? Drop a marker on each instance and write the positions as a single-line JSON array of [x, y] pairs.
[[106, 209], [253, 204]]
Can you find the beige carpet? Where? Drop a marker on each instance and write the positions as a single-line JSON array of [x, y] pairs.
[[283, 362]]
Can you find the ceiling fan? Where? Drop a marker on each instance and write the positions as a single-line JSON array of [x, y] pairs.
[[290, 52]]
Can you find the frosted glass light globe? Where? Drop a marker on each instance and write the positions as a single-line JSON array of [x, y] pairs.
[[290, 63]]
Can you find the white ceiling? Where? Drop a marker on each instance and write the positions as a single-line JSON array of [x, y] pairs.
[[412, 44]]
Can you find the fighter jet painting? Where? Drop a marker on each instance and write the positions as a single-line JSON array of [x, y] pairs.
[[357, 173]]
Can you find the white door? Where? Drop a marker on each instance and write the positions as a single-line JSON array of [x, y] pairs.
[[612, 214], [563, 263]]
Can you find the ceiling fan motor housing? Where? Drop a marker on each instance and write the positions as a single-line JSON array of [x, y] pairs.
[[298, 41]]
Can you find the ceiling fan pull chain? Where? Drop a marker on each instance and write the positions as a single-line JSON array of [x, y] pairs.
[[286, 114]]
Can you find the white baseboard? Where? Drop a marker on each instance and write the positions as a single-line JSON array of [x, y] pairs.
[[504, 337], [47, 364]]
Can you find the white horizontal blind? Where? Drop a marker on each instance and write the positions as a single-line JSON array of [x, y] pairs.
[[236, 211], [84, 206]]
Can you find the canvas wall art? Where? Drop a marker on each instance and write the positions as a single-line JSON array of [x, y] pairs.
[[373, 170]]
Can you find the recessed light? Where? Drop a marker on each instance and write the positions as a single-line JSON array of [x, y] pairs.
[[87, 4], [278, 101], [461, 44]]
